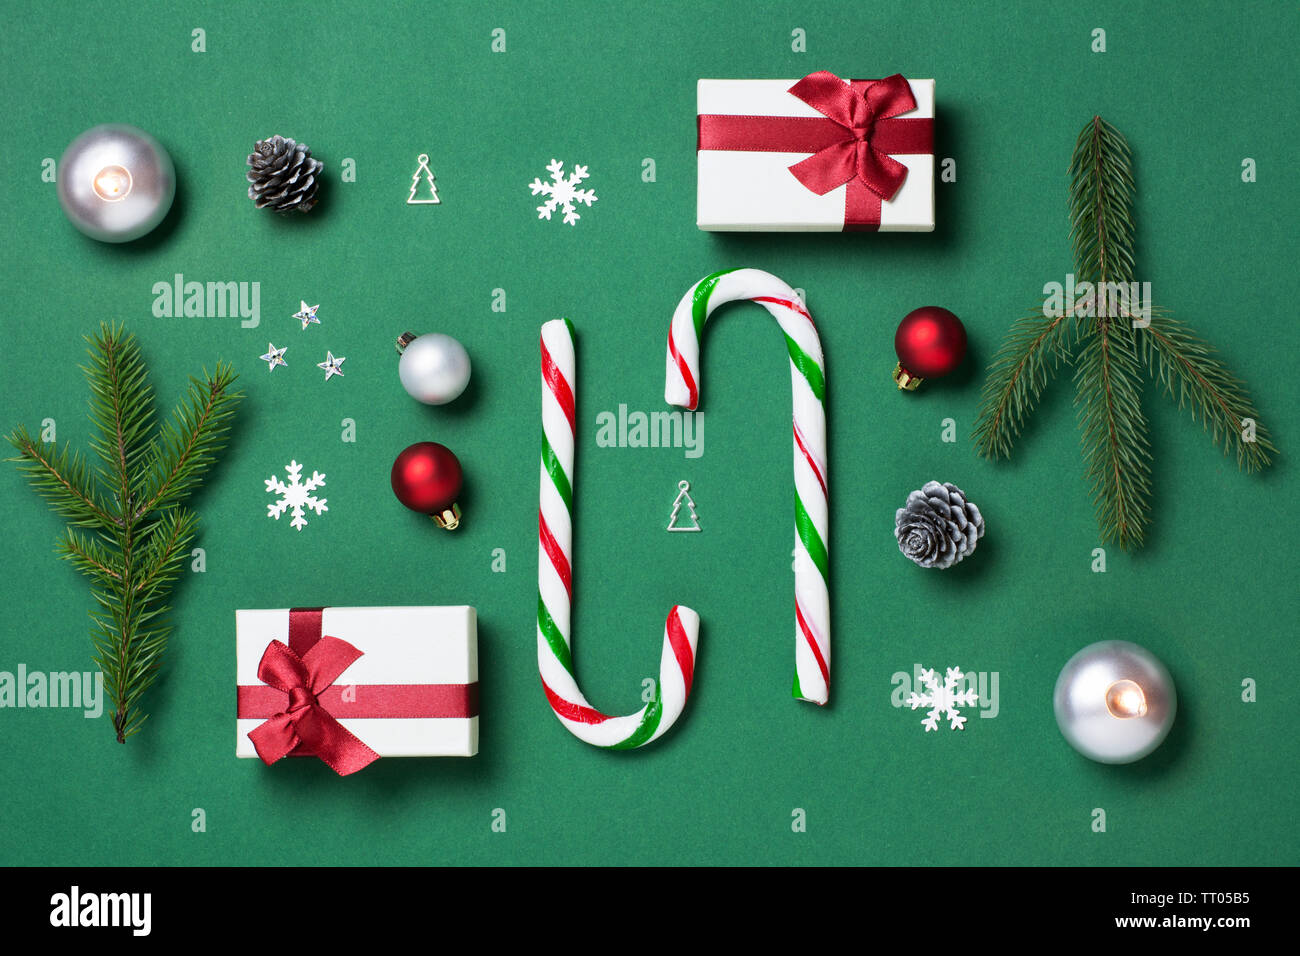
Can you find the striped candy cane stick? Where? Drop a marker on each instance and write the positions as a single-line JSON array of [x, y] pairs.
[[555, 580], [808, 376]]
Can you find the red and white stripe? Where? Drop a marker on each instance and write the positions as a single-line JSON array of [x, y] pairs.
[[555, 580], [682, 388]]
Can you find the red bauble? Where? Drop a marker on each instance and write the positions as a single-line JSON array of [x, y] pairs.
[[930, 341], [427, 478]]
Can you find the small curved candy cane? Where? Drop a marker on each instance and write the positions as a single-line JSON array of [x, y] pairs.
[[555, 580], [808, 379]]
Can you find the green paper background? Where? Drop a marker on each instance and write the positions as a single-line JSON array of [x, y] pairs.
[[1195, 87]]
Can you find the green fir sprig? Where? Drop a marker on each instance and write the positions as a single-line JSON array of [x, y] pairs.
[[128, 530], [1108, 350]]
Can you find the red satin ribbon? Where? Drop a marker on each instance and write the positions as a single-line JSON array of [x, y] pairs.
[[299, 701], [401, 701], [851, 145]]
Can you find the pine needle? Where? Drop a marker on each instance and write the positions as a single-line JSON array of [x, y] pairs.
[[1107, 374], [61, 477], [1034, 348], [1113, 431], [1101, 205], [138, 534], [1189, 372]]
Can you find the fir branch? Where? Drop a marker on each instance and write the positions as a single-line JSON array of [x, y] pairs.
[[114, 637], [1113, 431], [1112, 428], [1101, 204], [62, 478], [90, 557], [165, 550], [121, 408], [1108, 354], [142, 532], [188, 445], [1028, 358], [1186, 367]]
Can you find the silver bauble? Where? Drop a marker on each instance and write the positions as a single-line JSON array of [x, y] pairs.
[[115, 182], [434, 368], [1115, 702]]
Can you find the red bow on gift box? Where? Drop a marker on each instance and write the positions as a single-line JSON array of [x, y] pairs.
[[305, 722], [851, 144]]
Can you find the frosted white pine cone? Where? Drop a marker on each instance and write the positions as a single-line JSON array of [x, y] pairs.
[[938, 526], [283, 176]]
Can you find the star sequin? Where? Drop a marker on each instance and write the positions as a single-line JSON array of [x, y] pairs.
[[307, 314], [331, 365], [274, 356]]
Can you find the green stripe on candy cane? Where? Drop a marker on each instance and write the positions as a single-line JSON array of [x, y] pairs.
[[649, 724], [554, 639], [561, 481], [700, 305], [808, 368], [812, 541]]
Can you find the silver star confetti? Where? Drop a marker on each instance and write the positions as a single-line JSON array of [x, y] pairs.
[[331, 365], [274, 356], [307, 314]]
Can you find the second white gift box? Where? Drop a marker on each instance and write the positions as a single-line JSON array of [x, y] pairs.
[[820, 154]]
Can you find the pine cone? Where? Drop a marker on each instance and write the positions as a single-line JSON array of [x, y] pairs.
[[283, 175], [938, 526]]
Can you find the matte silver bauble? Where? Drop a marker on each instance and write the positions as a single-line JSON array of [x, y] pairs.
[[434, 368], [115, 182], [1115, 702]]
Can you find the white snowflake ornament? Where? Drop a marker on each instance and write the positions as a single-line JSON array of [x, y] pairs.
[[562, 192], [943, 700], [296, 496]]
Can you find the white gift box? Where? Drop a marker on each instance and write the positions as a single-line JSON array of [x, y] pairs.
[[753, 190], [430, 653]]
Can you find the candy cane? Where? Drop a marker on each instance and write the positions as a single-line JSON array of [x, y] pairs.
[[808, 378], [555, 580]]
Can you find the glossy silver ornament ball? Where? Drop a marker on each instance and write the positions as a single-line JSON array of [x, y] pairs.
[[115, 182], [1115, 702], [434, 368]]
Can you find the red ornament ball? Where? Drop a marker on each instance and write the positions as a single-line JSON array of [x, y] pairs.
[[427, 477], [930, 341]]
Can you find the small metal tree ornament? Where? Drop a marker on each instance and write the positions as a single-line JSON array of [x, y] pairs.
[[684, 497], [432, 198]]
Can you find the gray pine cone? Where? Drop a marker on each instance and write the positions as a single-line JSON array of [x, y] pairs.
[[283, 175], [938, 526]]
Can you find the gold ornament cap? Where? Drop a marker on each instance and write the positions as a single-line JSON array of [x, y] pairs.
[[905, 380], [448, 519]]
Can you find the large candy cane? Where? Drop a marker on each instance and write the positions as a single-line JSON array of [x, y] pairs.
[[555, 580], [808, 377]]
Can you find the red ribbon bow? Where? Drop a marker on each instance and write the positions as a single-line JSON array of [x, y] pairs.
[[305, 723], [851, 145], [857, 111]]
